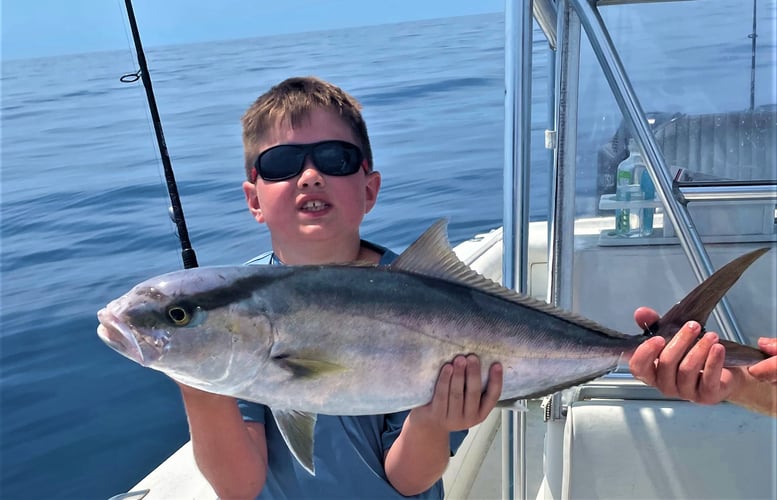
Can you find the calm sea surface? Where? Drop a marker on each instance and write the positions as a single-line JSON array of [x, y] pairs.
[[84, 207]]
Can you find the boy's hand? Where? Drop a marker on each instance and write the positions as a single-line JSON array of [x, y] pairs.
[[459, 401], [420, 454], [679, 368]]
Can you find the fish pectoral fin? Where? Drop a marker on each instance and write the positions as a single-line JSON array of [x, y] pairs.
[[306, 367], [297, 430], [513, 404]]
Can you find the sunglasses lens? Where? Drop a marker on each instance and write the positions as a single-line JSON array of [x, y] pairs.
[[283, 162], [337, 158], [280, 163]]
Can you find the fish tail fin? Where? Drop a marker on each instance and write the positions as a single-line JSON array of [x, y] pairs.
[[741, 355], [698, 304]]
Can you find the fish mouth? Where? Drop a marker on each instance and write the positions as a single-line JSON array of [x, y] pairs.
[[119, 336]]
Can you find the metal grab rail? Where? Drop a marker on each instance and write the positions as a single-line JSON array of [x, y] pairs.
[[546, 15], [718, 193], [517, 160]]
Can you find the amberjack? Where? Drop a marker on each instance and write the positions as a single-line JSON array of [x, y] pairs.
[[365, 339]]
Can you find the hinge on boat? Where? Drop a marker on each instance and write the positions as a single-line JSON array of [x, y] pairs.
[[546, 404], [554, 407], [550, 139]]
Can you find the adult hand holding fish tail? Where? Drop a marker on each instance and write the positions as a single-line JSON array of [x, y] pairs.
[[307, 377], [692, 366]]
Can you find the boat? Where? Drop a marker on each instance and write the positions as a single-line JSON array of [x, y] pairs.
[[714, 176]]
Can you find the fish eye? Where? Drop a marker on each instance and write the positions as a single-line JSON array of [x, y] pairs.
[[179, 315]]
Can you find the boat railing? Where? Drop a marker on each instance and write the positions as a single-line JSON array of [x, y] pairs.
[[518, 80], [715, 193]]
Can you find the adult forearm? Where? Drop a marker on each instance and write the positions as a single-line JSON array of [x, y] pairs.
[[418, 458], [228, 455], [756, 396]]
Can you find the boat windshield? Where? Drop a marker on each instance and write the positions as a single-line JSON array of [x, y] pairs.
[[708, 93]]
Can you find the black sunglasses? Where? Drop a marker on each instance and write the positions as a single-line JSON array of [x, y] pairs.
[[283, 162]]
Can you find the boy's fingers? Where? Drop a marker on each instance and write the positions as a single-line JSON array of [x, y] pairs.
[[493, 391], [440, 398], [456, 392], [473, 387]]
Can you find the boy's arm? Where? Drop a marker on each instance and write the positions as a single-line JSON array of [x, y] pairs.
[[230, 453], [420, 454]]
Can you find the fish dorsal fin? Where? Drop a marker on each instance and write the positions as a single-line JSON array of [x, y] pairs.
[[431, 255], [297, 430]]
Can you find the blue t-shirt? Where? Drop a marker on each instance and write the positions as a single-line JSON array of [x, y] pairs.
[[348, 450]]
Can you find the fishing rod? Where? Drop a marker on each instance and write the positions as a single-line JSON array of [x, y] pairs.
[[753, 36], [187, 252]]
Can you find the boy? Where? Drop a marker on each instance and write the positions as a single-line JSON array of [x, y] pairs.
[[311, 180]]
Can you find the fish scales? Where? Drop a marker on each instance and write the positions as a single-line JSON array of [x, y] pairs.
[[394, 329]]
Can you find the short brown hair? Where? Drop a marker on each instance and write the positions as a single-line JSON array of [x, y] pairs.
[[292, 100]]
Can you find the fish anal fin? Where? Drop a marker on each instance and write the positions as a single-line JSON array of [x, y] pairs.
[[297, 428]]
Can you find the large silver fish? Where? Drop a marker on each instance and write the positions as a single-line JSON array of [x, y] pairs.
[[352, 340]]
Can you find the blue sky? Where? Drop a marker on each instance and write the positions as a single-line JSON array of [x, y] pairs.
[[32, 28]]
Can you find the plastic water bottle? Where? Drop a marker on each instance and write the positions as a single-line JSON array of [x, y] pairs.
[[633, 184], [623, 181], [649, 193]]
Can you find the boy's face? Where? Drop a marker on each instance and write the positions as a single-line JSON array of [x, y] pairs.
[[312, 206]]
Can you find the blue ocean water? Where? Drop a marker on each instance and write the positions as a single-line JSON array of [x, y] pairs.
[[84, 207], [84, 211]]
